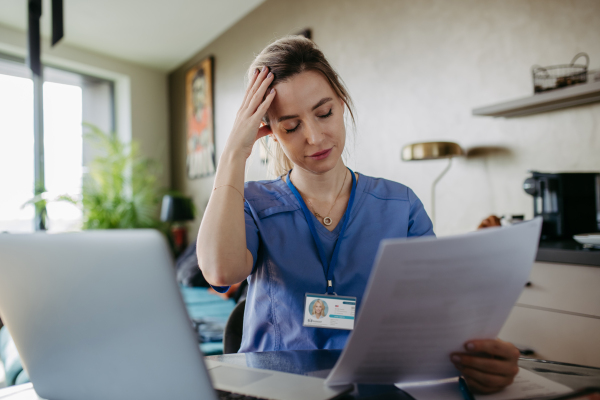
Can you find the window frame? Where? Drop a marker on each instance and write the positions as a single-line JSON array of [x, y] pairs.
[[62, 75]]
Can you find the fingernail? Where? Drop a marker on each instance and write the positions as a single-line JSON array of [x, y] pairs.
[[470, 346], [456, 358], [270, 75], [272, 90], [255, 71], [263, 69]]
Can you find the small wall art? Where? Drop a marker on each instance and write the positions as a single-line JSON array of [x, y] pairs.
[[200, 120]]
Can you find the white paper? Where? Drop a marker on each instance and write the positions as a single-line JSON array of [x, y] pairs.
[[527, 385], [427, 297]]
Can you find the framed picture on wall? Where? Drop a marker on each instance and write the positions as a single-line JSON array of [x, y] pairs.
[[200, 120]]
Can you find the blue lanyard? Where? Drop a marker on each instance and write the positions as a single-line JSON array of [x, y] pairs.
[[327, 266]]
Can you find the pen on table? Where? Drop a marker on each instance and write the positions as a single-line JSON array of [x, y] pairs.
[[467, 395]]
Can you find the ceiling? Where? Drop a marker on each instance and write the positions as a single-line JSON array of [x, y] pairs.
[[155, 33]]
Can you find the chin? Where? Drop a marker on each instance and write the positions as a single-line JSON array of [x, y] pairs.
[[321, 167]]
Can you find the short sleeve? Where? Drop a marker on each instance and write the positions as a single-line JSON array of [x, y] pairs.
[[251, 242], [419, 223]]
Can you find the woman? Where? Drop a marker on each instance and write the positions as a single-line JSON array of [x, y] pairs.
[[318, 310], [317, 226]]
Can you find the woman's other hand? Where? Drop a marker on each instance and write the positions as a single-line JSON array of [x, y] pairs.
[[490, 221], [488, 365], [247, 127]]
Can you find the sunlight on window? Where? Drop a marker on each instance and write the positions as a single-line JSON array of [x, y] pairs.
[[16, 153], [63, 152]]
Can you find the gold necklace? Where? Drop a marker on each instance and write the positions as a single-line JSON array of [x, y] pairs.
[[327, 220]]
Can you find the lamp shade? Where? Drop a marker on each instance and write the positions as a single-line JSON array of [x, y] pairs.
[[176, 209], [431, 151]]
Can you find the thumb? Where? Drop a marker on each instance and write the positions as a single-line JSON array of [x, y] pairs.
[[263, 131]]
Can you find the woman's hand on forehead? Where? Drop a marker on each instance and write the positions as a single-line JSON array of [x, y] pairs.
[[247, 127]]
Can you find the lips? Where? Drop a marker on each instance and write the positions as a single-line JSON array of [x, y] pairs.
[[321, 154]]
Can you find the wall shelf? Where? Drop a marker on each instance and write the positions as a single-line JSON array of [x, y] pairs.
[[552, 100]]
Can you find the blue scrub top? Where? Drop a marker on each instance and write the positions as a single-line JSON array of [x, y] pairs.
[[287, 263]]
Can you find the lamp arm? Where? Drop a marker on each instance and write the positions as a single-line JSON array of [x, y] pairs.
[[435, 182]]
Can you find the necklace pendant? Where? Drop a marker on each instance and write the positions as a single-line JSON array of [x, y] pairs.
[[327, 221]]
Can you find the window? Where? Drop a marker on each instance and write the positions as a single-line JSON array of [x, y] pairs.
[[69, 100]]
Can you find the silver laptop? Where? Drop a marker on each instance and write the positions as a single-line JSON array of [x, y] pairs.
[[99, 315]]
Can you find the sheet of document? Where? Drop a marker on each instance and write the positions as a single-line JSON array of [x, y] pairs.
[[527, 385], [426, 297]]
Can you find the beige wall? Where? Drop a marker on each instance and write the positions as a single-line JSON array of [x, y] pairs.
[[415, 71], [141, 92]]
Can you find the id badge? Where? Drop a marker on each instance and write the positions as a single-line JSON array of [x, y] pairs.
[[329, 311]]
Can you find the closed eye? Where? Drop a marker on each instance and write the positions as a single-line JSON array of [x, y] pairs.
[[329, 114], [293, 129]]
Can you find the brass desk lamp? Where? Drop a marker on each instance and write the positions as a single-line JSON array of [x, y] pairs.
[[432, 151]]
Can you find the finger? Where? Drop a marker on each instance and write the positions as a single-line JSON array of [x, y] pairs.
[[250, 84], [493, 347], [265, 130], [486, 365], [264, 106], [477, 387], [487, 380], [259, 95], [257, 82]]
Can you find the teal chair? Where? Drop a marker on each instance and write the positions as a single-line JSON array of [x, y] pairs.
[[9, 357]]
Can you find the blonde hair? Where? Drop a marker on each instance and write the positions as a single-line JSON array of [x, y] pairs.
[[285, 58], [323, 314]]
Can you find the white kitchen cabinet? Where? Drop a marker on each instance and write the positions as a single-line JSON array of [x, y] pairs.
[[558, 316]]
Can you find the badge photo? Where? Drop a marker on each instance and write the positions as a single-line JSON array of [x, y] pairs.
[[326, 311]]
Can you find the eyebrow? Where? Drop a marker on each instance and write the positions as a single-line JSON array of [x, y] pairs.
[[319, 104]]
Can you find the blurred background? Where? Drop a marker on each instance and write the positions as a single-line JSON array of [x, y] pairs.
[[124, 126], [415, 70]]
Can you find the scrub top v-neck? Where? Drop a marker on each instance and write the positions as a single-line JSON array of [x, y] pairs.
[[287, 263]]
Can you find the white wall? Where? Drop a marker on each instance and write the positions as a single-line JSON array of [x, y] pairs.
[[415, 70], [141, 92]]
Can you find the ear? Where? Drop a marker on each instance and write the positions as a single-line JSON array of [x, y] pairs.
[[342, 104], [264, 130]]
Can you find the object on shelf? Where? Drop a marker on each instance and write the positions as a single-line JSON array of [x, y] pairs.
[[559, 76], [567, 201], [588, 240], [541, 102]]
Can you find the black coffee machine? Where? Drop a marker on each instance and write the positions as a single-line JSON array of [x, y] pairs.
[[568, 202]]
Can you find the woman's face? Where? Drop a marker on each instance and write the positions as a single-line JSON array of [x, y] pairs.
[[307, 119], [318, 308]]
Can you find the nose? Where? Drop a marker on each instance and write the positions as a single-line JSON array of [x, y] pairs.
[[313, 133]]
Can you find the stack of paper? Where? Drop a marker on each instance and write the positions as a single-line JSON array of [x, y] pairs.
[[427, 297], [527, 385]]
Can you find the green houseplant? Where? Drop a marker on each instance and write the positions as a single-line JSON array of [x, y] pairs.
[[120, 189]]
